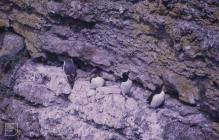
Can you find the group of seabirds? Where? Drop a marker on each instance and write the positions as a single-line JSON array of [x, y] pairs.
[[70, 71]]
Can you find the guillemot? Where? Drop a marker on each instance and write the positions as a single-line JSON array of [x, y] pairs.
[[126, 86], [157, 99], [70, 71]]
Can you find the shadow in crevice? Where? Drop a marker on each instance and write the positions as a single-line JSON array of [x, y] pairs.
[[76, 24], [6, 29], [134, 1], [53, 59], [9, 62], [59, 1], [202, 85]]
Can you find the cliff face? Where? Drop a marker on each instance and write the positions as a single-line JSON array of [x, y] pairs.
[[171, 43]]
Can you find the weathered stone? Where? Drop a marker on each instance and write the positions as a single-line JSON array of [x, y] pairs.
[[31, 38], [173, 131], [108, 90], [72, 126], [41, 85], [187, 92], [1, 128], [108, 76], [21, 113], [12, 45], [31, 20], [215, 126], [209, 104], [4, 23], [192, 51], [39, 5], [38, 95], [79, 92]]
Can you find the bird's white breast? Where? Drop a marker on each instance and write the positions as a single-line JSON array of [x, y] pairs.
[[126, 86], [158, 99]]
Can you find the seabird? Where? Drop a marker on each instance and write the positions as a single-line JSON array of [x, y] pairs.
[[97, 82], [157, 99], [70, 71], [126, 86]]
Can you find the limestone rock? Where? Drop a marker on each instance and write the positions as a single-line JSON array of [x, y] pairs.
[[80, 91], [12, 45], [109, 90], [39, 84], [187, 92], [4, 23]]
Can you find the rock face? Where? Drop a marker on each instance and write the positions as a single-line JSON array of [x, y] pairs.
[[104, 113], [41, 84], [12, 51], [154, 43], [187, 92], [12, 44]]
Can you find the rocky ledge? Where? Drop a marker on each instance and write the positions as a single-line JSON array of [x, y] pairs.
[[155, 43]]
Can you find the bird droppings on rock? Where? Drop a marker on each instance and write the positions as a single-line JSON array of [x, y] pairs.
[[104, 111], [109, 90], [97, 82], [41, 84]]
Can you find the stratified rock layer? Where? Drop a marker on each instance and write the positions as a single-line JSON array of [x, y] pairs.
[[102, 113]]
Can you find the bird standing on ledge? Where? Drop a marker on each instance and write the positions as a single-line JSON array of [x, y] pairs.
[[70, 71], [126, 86], [158, 99]]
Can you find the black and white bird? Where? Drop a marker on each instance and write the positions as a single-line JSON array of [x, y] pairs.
[[157, 100], [126, 86], [70, 71]]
